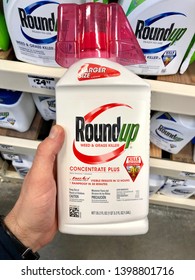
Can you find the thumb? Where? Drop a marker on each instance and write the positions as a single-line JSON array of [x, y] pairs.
[[48, 150]]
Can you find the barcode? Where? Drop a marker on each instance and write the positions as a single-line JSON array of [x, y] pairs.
[[74, 211]]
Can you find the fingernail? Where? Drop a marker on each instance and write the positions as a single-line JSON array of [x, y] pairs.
[[53, 132]]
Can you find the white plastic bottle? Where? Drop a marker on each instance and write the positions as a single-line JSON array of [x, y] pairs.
[[171, 132], [17, 110], [103, 167], [33, 30], [156, 182], [178, 188], [23, 164], [11, 156], [46, 106], [164, 29]]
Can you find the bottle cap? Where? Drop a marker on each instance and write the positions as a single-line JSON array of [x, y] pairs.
[[95, 30]]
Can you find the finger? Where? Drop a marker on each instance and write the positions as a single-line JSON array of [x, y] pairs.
[[47, 151]]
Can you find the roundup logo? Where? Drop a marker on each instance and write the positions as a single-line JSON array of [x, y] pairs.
[[145, 31], [86, 131], [39, 24], [168, 134], [51, 105], [3, 115]]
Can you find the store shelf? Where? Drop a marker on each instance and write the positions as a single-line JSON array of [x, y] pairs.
[[174, 169], [17, 76], [157, 166], [9, 174], [174, 97], [173, 202], [18, 145]]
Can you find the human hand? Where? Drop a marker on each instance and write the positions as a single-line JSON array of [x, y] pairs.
[[33, 219]]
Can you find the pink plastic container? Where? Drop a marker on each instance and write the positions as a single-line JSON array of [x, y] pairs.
[[95, 30]]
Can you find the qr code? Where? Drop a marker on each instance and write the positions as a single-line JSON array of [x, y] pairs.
[[74, 211]]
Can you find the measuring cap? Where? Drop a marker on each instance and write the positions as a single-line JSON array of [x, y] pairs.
[[95, 30]]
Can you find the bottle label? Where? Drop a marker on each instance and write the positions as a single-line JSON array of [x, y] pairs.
[[7, 119], [90, 71]]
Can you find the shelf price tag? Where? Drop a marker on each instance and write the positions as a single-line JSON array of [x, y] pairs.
[[41, 82]]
